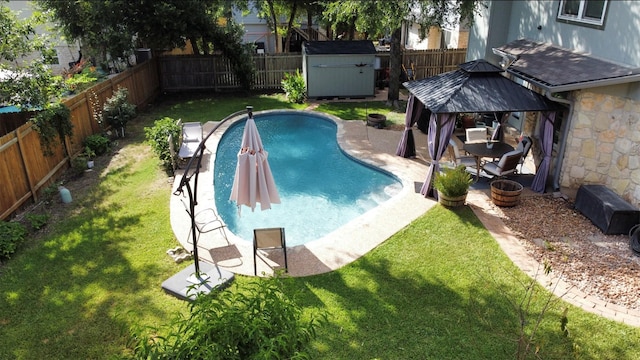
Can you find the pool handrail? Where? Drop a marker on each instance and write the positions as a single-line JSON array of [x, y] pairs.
[[189, 172]]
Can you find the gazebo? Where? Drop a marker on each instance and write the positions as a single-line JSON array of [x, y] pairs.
[[476, 87]]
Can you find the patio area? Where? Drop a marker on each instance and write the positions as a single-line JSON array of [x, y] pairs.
[[348, 243]]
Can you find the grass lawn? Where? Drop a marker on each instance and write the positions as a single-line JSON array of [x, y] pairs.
[[439, 289]]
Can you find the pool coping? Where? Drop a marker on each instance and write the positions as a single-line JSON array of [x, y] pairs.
[[328, 253]]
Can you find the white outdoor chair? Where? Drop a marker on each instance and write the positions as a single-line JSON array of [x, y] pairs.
[[466, 160], [191, 138], [476, 134]]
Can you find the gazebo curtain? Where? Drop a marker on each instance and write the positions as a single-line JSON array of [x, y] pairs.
[[440, 129], [407, 146], [546, 139]]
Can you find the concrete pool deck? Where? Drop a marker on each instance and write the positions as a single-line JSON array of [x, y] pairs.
[[336, 249], [348, 243]]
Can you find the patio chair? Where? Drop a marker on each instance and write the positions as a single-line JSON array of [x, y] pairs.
[[207, 220], [268, 239], [476, 134], [524, 145], [454, 150], [191, 138], [505, 166]]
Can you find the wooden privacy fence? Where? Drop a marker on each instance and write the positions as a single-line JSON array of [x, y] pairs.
[[24, 170], [214, 72]]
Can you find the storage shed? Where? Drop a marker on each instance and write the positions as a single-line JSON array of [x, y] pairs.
[[339, 68]]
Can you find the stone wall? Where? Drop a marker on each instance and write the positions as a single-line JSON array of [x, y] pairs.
[[603, 145]]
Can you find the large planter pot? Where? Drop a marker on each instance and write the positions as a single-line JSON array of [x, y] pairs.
[[505, 192], [376, 120], [452, 201]]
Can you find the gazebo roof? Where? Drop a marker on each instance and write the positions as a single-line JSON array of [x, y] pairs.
[[478, 86]]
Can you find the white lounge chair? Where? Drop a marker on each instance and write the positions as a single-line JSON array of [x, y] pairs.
[[191, 138]]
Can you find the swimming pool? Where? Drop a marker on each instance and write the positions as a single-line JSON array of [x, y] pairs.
[[321, 188]]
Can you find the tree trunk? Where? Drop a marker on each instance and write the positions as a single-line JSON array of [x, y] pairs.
[[309, 25], [194, 45], [395, 59], [289, 25], [274, 22]]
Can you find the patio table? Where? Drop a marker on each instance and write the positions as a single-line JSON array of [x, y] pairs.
[[480, 150]]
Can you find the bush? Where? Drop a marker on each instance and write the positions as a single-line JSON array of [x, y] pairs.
[[37, 221], [293, 85], [117, 111], [158, 137], [453, 182], [97, 143], [78, 166], [11, 235], [51, 123], [254, 321], [49, 193]]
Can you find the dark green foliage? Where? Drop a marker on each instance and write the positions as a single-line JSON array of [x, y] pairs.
[[158, 137], [117, 110], [97, 143], [295, 88], [453, 182], [54, 122], [78, 166], [11, 235], [37, 221], [255, 321], [49, 193]]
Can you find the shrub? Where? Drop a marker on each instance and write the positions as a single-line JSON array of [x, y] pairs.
[[78, 166], [117, 111], [97, 143], [37, 221], [50, 123], [293, 85], [11, 235], [49, 193], [254, 321], [158, 137], [453, 182]]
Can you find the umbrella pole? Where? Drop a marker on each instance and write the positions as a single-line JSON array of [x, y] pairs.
[[185, 183], [192, 209]]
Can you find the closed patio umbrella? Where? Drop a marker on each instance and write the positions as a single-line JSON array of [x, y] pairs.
[[253, 181]]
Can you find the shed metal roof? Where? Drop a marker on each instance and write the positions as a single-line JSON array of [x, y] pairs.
[[557, 69], [478, 86], [339, 47]]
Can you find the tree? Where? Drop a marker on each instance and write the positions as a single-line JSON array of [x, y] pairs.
[[275, 11], [387, 17], [25, 80], [114, 28]]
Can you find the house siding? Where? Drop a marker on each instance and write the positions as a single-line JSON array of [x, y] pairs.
[[603, 144]]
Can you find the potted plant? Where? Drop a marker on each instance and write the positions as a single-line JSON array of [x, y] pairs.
[[452, 185], [90, 155]]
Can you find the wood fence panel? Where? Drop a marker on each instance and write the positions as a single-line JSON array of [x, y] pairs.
[[214, 72], [11, 121], [432, 62], [13, 177], [24, 170], [82, 122]]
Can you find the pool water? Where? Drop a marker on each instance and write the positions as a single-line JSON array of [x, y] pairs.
[[320, 187]]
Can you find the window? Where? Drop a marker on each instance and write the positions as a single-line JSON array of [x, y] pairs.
[[584, 12], [50, 57]]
